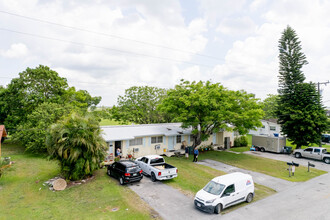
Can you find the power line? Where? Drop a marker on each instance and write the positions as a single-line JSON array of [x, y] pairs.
[[105, 48], [123, 38], [108, 35]]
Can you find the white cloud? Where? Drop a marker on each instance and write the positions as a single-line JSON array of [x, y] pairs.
[[15, 51], [237, 26]]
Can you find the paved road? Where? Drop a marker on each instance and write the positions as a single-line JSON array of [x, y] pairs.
[[308, 200], [263, 179]]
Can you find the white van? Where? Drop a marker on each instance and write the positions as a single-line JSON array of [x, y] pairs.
[[224, 191]]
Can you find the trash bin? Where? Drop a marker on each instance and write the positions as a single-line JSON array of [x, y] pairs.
[[190, 150], [287, 150]]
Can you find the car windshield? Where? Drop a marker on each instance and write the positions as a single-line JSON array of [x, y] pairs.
[[214, 188], [133, 169]]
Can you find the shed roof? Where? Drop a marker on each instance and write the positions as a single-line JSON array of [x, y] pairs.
[[129, 132]]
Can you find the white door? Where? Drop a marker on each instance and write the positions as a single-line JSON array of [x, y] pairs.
[[171, 143], [230, 196], [307, 153], [317, 154]]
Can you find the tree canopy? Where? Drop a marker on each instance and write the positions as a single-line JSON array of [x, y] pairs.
[[207, 108], [270, 106], [35, 100], [139, 105], [300, 112]]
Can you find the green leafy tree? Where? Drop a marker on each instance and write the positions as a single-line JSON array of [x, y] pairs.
[[77, 144], [300, 113], [80, 99], [207, 108], [25, 93], [270, 106], [32, 133], [139, 105]]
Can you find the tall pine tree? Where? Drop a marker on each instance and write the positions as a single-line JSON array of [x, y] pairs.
[[300, 112]]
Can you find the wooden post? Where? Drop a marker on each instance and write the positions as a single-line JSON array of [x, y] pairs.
[[3, 133]]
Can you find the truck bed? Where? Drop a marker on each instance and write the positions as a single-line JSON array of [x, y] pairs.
[[163, 166]]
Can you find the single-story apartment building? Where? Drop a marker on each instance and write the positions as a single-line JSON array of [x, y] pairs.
[[269, 128], [145, 139]]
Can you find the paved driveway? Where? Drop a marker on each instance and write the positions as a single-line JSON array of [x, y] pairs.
[[170, 203], [308, 200]]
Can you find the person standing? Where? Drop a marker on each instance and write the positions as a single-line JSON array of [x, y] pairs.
[[186, 150], [195, 154]]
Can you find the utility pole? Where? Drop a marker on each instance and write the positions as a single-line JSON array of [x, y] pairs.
[[318, 89]]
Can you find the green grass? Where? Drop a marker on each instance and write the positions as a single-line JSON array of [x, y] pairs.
[[243, 149], [270, 167], [193, 177], [105, 122], [23, 196], [290, 144]]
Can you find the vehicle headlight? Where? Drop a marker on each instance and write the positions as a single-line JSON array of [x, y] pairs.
[[210, 201]]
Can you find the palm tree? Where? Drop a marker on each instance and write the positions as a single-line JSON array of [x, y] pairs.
[[77, 143]]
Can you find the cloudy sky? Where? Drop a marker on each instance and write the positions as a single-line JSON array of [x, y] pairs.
[[107, 46]]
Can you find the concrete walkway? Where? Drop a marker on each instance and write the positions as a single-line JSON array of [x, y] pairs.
[[263, 179]]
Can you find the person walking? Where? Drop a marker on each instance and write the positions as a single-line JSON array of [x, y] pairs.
[[195, 154]]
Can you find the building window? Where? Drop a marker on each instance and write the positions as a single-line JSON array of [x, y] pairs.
[[157, 140], [178, 139], [272, 128], [136, 141]]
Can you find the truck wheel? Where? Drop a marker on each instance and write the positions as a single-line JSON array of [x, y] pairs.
[[109, 172], [327, 160], [262, 149], [297, 155], [217, 208], [121, 181], [249, 198], [153, 177]]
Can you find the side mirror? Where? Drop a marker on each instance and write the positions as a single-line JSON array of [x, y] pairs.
[[225, 194]]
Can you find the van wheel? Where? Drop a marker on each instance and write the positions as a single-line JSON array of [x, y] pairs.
[[262, 149], [327, 160], [297, 155], [109, 172], [153, 177], [218, 208], [249, 198]]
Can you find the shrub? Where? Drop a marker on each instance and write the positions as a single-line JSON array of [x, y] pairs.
[[244, 141], [240, 141]]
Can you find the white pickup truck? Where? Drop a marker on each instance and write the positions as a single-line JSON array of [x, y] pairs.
[[317, 153], [155, 167]]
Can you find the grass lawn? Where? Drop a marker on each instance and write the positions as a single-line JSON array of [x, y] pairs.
[[23, 196], [270, 167], [193, 177], [288, 143], [105, 122], [243, 149]]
